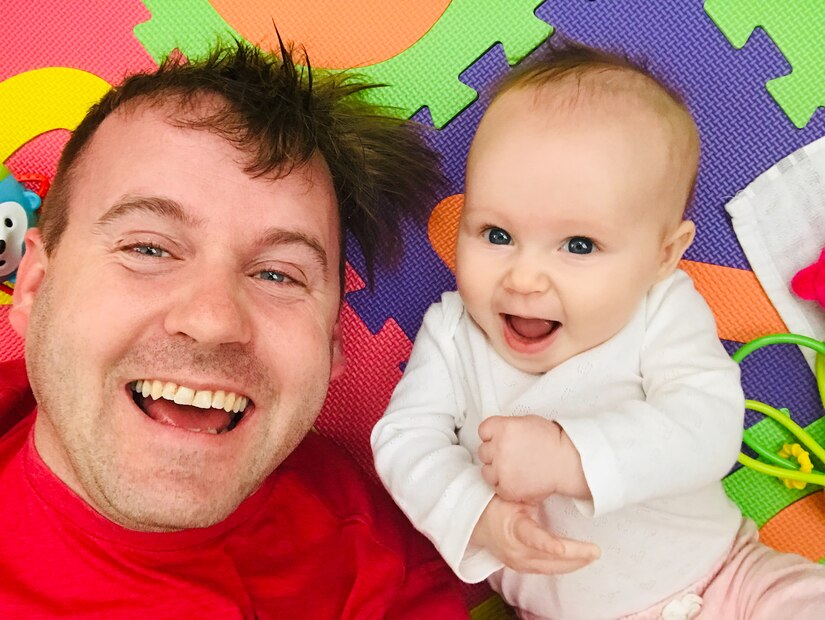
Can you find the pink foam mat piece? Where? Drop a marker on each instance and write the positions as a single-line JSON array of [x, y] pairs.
[[11, 345], [358, 398], [94, 35]]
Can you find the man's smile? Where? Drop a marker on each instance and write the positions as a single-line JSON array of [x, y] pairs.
[[198, 411]]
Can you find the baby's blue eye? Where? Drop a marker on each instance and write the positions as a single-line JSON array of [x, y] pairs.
[[580, 245], [498, 236]]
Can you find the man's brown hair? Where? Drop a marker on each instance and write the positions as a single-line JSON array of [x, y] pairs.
[[279, 115]]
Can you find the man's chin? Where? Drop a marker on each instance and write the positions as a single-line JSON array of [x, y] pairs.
[[169, 520], [163, 510]]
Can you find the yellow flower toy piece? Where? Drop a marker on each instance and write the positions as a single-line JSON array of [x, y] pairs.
[[802, 457]]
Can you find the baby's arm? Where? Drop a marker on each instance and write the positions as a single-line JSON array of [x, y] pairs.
[[529, 458], [418, 458], [686, 434]]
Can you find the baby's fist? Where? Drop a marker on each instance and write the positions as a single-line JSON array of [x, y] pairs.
[[519, 456]]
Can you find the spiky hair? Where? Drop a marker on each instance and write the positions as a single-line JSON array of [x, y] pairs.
[[279, 114]]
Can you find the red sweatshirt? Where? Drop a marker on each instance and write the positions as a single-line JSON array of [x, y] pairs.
[[317, 540]]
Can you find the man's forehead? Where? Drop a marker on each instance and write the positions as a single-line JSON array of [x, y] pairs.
[[136, 146], [147, 128], [174, 108], [147, 125]]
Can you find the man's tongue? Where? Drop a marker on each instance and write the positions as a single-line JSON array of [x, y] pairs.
[[530, 328], [186, 416]]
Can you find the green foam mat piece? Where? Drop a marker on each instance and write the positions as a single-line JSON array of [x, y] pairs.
[[796, 27], [423, 75], [426, 74], [190, 26], [759, 496], [492, 609]]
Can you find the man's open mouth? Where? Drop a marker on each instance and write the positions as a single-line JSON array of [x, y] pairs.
[[199, 411], [530, 330]]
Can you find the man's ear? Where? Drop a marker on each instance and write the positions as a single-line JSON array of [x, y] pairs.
[[673, 247], [30, 274], [337, 344]]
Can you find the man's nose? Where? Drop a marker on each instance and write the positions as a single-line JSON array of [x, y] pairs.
[[527, 275], [211, 310]]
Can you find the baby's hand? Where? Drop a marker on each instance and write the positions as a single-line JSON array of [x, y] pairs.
[[510, 532], [520, 457]]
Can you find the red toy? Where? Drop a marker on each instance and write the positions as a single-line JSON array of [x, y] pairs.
[[809, 283]]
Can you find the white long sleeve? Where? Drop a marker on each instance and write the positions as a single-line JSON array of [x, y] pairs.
[[418, 456]]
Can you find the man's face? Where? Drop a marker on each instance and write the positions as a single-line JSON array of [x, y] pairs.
[[181, 276], [563, 227]]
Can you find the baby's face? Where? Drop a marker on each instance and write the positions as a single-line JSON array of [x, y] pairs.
[[563, 227]]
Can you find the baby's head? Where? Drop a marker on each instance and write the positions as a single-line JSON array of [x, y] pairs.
[[577, 183]]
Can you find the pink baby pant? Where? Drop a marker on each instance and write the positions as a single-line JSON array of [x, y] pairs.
[[754, 582]]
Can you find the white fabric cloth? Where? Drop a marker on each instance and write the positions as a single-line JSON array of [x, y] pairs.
[[779, 220], [656, 413]]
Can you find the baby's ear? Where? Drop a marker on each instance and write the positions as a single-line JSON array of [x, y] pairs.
[[673, 247]]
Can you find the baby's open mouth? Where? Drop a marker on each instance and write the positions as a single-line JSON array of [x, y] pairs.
[[199, 411], [530, 330]]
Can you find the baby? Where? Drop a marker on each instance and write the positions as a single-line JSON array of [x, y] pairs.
[[574, 389]]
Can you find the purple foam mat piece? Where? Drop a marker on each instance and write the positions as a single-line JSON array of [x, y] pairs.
[[405, 293], [453, 141], [728, 97], [779, 376], [745, 132]]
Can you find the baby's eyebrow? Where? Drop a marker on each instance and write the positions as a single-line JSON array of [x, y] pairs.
[[157, 205]]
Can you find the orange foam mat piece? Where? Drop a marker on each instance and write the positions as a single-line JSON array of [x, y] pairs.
[[799, 528], [742, 309], [376, 31], [443, 228]]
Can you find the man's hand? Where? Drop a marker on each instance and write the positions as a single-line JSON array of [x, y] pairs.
[[529, 458], [510, 532]]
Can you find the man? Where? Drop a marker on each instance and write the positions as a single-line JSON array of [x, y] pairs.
[[180, 306]]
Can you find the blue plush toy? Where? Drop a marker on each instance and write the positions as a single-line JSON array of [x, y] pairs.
[[17, 214]]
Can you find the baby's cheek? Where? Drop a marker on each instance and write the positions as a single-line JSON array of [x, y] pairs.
[[604, 319]]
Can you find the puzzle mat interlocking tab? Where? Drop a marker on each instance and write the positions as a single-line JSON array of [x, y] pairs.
[[434, 66], [796, 29]]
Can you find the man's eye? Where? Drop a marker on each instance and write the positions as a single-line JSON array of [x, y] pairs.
[[153, 251], [580, 245], [497, 236], [275, 276]]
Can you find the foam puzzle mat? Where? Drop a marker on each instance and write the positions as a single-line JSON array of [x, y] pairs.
[[752, 71]]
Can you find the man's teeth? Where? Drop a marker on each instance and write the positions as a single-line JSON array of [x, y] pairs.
[[182, 395]]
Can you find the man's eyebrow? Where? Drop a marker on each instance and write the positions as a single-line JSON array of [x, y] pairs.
[[157, 205], [280, 236]]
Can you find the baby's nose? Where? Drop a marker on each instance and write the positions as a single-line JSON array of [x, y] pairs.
[[527, 276]]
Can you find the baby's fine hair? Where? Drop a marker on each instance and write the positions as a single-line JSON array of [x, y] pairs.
[[562, 60]]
